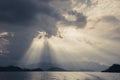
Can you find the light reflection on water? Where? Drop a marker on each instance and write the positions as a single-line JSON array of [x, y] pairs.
[[58, 76]]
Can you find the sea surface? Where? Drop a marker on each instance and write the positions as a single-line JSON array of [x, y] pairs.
[[59, 76]]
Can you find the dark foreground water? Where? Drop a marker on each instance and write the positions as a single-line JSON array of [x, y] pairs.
[[58, 76]]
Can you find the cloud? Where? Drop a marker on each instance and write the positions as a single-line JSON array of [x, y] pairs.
[[4, 42], [74, 19], [81, 19], [25, 18], [23, 14], [17, 11], [17, 15], [3, 34], [83, 5], [82, 2], [65, 9], [110, 19], [109, 24]]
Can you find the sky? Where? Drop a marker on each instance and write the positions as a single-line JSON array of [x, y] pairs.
[[71, 34]]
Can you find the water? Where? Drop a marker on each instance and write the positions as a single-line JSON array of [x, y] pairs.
[[58, 76]]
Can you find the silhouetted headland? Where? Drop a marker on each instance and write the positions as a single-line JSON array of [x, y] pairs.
[[114, 68]]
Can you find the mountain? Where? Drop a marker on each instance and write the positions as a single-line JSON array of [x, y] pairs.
[[15, 68], [10, 68], [113, 68]]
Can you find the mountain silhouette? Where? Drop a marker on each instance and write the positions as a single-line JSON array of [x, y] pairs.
[[15, 68], [113, 68], [10, 68]]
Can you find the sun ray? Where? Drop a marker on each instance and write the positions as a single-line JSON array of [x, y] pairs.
[[34, 52], [74, 47]]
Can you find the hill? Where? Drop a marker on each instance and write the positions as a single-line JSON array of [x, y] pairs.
[[15, 68], [113, 68]]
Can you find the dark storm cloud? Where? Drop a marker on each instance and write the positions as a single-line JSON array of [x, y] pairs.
[[17, 11], [23, 13]]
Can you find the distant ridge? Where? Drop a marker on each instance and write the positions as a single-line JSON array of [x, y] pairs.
[[113, 68], [15, 68]]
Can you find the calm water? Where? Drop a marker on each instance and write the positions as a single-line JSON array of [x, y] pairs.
[[58, 76]]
